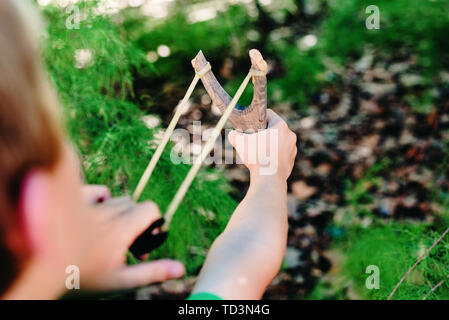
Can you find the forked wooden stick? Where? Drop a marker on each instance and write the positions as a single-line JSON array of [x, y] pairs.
[[251, 118]]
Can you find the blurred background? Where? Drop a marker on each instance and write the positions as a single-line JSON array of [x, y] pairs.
[[370, 108]]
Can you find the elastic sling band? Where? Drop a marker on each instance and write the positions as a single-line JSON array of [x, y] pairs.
[[171, 127]]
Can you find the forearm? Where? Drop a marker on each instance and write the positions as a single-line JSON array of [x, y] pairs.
[[247, 255]]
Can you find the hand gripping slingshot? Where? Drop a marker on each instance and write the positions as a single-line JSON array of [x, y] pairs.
[[245, 119]]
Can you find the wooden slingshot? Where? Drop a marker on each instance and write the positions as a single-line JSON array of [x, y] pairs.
[[246, 119]]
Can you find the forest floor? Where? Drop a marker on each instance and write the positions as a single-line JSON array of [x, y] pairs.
[[364, 135]]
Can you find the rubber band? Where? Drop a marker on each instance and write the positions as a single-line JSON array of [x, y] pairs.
[[171, 127], [204, 70], [257, 73]]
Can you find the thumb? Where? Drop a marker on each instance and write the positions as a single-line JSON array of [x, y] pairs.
[[140, 275], [231, 137]]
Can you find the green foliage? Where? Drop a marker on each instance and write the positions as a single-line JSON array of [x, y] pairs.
[[219, 38], [104, 121], [227, 35], [358, 197], [394, 248], [216, 37], [303, 76], [416, 25]]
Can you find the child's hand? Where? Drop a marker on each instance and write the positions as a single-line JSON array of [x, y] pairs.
[[269, 152], [94, 194], [116, 223], [246, 257]]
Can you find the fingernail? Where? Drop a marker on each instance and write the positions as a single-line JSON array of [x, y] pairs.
[[176, 269]]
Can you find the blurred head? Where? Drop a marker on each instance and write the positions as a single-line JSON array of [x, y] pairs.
[[40, 198]]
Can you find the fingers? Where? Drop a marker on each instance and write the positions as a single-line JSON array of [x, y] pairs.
[[119, 204], [273, 119], [137, 220], [114, 208], [151, 272], [94, 194], [236, 138], [245, 145], [231, 137], [127, 218], [242, 139], [139, 275]]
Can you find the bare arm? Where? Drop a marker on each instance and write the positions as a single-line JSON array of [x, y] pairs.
[[246, 257]]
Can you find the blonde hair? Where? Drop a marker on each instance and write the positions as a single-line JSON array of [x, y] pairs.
[[30, 131]]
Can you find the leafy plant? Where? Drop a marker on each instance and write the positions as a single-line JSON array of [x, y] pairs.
[[414, 25], [394, 248]]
